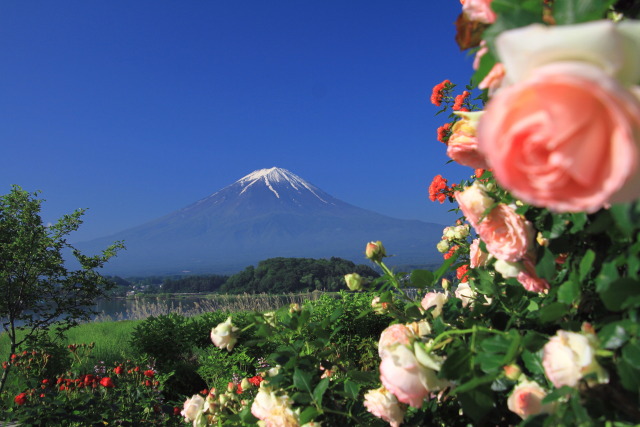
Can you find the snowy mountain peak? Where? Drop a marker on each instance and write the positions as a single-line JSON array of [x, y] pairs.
[[275, 177]]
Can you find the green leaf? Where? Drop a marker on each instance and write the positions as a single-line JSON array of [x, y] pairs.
[[437, 275], [351, 389], [553, 312], [546, 267], [318, 392], [568, 12], [486, 283], [421, 278], [569, 292], [614, 335], [586, 263], [578, 220], [478, 402], [559, 393], [473, 383], [616, 294], [608, 274], [622, 218], [457, 364], [533, 362], [302, 380], [629, 375], [631, 353], [308, 414]]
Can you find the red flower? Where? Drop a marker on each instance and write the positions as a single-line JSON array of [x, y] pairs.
[[88, 379], [460, 99], [176, 410], [451, 251], [461, 273], [204, 392], [479, 172], [255, 381], [20, 399], [149, 373], [239, 389], [119, 370], [444, 132], [438, 189], [148, 383], [437, 94], [107, 382]]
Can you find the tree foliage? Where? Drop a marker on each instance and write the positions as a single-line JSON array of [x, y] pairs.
[[280, 275], [37, 289]]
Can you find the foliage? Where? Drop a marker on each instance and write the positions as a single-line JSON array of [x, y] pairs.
[[281, 275], [38, 290], [206, 283], [125, 394]]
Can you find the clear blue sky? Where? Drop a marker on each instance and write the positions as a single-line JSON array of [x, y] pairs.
[[134, 109]]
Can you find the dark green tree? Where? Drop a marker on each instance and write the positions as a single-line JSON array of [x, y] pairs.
[[38, 292]]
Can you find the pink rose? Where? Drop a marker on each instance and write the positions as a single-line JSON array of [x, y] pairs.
[[477, 257], [462, 145], [479, 10], [474, 202], [526, 400], [404, 376], [507, 235], [529, 279], [384, 405], [393, 335]]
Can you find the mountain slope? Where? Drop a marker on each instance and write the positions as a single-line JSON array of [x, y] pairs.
[[268, 213]]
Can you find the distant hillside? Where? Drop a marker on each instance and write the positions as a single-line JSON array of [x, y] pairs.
[[283, 275], [268, 213]]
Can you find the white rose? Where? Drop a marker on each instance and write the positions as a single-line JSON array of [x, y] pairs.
[[273, 409], [225, 335], [465, 294], [192, 408], [434, 299], [381, 403], [611, 47], [569, 356]]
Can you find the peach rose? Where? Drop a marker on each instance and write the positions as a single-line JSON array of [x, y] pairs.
[[479, 11], [192, 408], [493, 80], [381, 403], [526, 400], [569, 356], [474, 202], [507, 235], [462, 145], [566, 134], [478, 257]]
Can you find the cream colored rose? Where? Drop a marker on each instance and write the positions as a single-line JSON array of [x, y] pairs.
[[274, 409], [478, 257], [569, 356], [192, 408], [225, 335], [434, 299], [474, 202], [383, 404], [526, 400], [465, 294]]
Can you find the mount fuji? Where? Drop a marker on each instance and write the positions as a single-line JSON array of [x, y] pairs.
[[268, 213]]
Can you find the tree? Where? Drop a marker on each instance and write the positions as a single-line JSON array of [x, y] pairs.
[[37, 291]]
